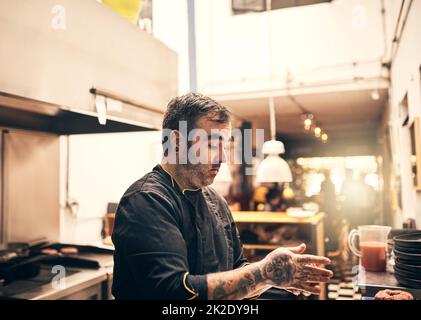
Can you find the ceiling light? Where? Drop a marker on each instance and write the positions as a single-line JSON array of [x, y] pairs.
[[375, 95], [273, 168], [308, 120], [317, 132]]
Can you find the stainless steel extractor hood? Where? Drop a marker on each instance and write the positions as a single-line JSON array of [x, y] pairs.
[[25, 113], [48, 70]]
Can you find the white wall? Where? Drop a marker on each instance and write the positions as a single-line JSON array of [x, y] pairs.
[[406, 80], [102, 167], [170, 25], [233, 54]]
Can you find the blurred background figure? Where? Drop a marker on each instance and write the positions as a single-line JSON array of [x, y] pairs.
[[358, 200], [328, 205], [328, 195], [370, 207], [279, 197], [274, 200]]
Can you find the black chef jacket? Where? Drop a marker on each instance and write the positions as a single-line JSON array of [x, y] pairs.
[[167, 239]]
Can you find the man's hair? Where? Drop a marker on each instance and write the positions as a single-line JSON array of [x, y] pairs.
[[190, 108]]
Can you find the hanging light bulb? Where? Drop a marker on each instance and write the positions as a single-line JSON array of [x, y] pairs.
[[273, 168], [375, 95], [317, 132], [288, 193], [325, 137], [308, 120]]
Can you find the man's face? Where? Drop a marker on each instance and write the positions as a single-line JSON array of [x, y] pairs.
[[207, 151]]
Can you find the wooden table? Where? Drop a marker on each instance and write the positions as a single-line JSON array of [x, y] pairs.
[[316, 223]]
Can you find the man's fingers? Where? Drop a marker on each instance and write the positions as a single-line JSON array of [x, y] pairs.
[[316, 271], [295, 292], [310, 259], [298, 250], [316, 279], [311, 288]]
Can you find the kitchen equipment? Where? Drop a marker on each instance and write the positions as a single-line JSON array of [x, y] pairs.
[[19, 249], [19, 262], [20, 268], [408, 256], [409, 274], [29, 262], [408, 267], [407, 262], [408, 282], [373, 246], [410, 241], [87, 257], [407, 250]]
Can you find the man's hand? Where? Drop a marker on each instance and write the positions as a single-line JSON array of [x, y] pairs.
[[289, 269], [285, 268]]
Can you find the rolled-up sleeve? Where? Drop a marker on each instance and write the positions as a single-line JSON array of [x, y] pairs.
[[147, 234]]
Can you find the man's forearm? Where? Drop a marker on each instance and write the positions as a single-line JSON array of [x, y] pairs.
[[237, 284]]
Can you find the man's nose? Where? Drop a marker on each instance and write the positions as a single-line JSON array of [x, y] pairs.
[[223, 157]]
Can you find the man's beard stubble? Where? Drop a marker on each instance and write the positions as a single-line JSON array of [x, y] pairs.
[[196, 175]]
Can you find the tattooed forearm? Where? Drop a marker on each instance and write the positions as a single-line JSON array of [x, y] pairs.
[[236, 284], [281, 268]]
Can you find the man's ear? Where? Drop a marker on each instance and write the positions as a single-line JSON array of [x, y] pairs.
[[175, 140], [178, 142]]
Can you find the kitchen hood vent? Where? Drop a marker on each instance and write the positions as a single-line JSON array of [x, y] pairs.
[[47, 73], [23, 113]]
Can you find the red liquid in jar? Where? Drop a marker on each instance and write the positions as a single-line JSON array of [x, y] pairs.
[[373, 256]]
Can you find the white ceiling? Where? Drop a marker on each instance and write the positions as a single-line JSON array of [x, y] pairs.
[[345, 113]]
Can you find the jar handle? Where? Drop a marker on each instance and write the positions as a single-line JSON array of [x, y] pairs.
[[351, 242]]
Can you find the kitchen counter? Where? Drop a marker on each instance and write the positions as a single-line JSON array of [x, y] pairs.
[[369, 283], [78, 284]]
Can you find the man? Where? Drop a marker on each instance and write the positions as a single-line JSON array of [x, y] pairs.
[[175, 237]]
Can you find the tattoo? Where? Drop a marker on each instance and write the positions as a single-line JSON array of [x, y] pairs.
[[219, 292], [280, 270], [302, 274], [236, 289], [257, 274]]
